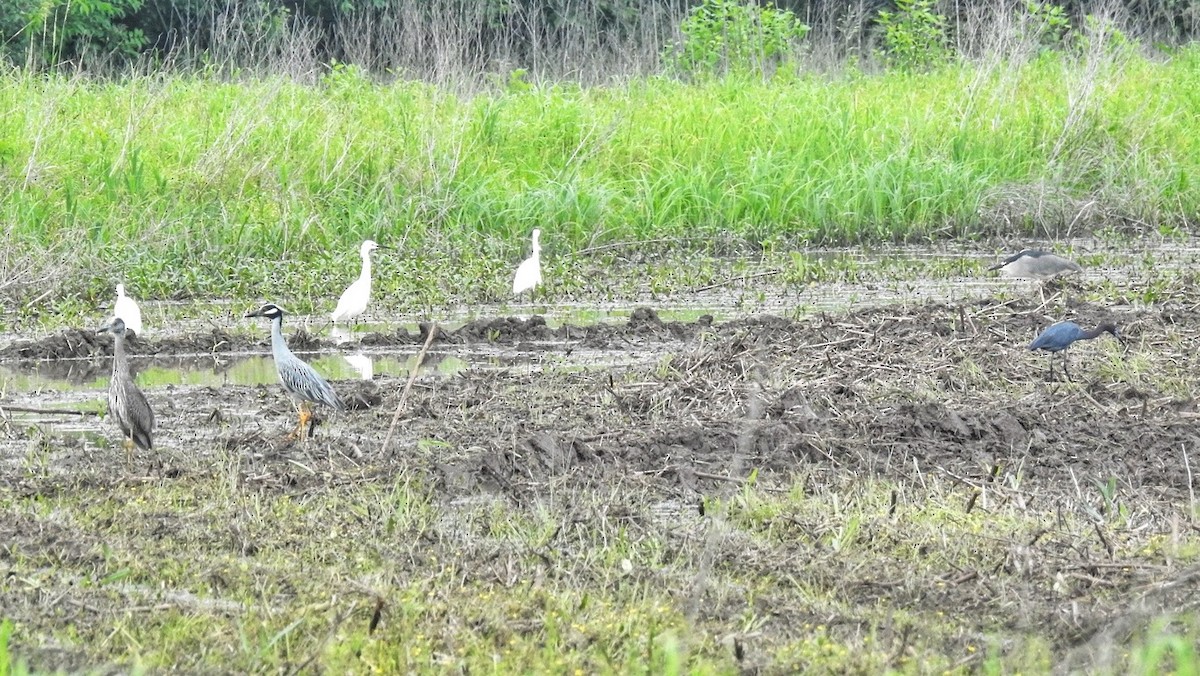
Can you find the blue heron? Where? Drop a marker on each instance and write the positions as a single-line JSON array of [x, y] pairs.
[[1059, 337], [1035, 264], [126, 403], [356, 296], [529, 273], [302, 383]]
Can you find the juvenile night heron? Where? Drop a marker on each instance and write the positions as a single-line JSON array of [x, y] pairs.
[[1059, 337], [126, 403], [300, 381], [1035, 264], [529, 273], [356, 296], [128, 311]]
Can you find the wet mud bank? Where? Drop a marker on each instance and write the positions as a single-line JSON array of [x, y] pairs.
[[926, 388], [918, 396], [643, 324]]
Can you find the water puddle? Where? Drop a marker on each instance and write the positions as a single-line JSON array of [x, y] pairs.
[[870, 277], [91, 376]]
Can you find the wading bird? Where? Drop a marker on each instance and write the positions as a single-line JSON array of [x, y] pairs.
[[356, 296], [126, 403], [128, 311], [302, 383], [529, 273], [1059, 337], [1035, 264]]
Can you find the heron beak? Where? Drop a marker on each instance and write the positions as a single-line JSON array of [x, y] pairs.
[[253, 313], [104, 329], [997, 266]]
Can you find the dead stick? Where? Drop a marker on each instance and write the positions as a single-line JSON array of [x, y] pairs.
[[731, 280], [47, 411], [643, 242], [433, 329], [333, 629]]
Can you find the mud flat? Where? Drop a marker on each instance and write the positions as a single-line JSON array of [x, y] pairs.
[[895, 487]]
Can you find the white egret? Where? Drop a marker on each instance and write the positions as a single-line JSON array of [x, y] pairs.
[[356, 296], [126, 309], [529, 273]]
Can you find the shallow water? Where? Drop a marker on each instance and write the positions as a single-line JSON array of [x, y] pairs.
[[958, 277], [151, 373]]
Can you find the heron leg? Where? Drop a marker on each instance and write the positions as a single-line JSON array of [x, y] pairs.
[[128, 444], [301, 431], [1065, 371]]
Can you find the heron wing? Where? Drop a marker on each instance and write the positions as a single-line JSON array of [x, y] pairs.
[[134, 416], [302, 380], [1057, 337]]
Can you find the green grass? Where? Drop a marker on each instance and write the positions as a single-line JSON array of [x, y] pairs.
[[383, 578], [189, 187]]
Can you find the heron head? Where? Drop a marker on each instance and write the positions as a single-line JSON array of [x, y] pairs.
[[115, 326], [269, 310], [368, 246], [1111, 328]]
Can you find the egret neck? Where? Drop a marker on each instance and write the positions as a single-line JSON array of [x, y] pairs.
[[365, 277]]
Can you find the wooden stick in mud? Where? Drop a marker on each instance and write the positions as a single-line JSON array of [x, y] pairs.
[[731, 280], [433, 330], [640, 242], [46, 411]]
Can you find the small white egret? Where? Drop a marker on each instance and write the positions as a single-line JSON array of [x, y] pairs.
[[529, 273], [126, 309], [356, 296]]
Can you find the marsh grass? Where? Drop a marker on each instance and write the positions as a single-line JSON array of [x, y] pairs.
[[489, 586], [188, 186]]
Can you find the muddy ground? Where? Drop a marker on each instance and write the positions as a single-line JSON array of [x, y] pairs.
[[909, 395]]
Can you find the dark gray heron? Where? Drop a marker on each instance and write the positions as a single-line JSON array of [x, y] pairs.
[[126, 403], [302, 383], [1060, 336]]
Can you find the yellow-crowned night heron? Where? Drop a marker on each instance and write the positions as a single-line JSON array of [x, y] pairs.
[[1035, 264], [300, 380], [126, 403]]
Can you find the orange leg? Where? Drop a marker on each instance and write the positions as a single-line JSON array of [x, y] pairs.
[[301, 431]]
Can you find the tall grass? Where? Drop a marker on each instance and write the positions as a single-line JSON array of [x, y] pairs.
[[199, 186]]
